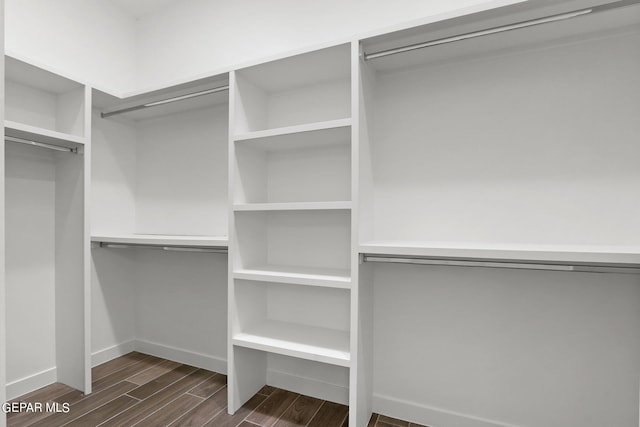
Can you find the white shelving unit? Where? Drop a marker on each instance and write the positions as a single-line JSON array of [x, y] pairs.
[[292, 254], [160, 182], [47, 234]]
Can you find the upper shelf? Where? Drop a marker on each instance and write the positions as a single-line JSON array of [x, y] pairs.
[[29, 75], [44, 103], [163, 240], [293, 206], [303, 89], [588, 22], [167, 101], [329, 132], [625, 256], [297, 71], [46, 136]]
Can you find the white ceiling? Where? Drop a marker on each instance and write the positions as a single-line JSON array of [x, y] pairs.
[[140, 8]]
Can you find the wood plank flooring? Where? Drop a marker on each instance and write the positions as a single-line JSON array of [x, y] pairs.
[[142, 390]]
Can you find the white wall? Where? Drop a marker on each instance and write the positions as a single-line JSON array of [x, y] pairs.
[[195, 36], [91, 41], [181, 306], [30, 245], [100, 43], [522, 348], [511, 148]]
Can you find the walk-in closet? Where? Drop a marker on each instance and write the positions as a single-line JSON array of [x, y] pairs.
[[321, 214]]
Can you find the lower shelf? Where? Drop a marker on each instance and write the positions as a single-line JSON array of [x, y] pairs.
[[332, 278], [289, 339]]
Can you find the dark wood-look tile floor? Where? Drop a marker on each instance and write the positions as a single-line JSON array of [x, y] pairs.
[[142, 390]]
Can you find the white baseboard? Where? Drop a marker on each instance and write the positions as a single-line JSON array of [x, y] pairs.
[[179, 355], [112, 352], [429, 415], [309, 386], [32, 382]]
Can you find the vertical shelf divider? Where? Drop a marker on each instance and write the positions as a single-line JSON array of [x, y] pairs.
[[361, 373]]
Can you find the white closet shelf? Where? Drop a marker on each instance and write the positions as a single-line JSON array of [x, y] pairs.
[[25, 73], [46, 136], [330, 132], [309, 276], [161, 239], [568, 254], [296, 340], [293, 206]]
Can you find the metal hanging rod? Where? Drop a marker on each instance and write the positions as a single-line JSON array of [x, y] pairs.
[[500, 264], [40, 144], [164, 101], [500, 29], [216, 250]]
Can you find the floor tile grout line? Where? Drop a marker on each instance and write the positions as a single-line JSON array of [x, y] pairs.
[[168, 385], [52, 398], [118, 413], [133, 397], [146, 369], [33, 422], [115, 415], [172, 400], [215, 374], [199, 397], [316, 412], [208, 396], [208, 420], [9, 419], [84, 397], [285, 410], [151, 413], [167, 423], [96, 408], [250, 412], [392, 421], [139, 401], [128, 365], [223, 386], [347, 416], [213, 416]]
